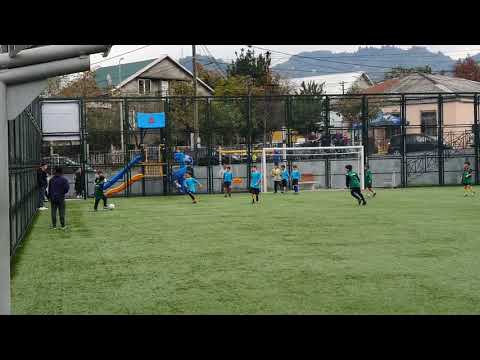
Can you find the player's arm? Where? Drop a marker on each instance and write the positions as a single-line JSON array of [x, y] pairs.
[[198, 183]]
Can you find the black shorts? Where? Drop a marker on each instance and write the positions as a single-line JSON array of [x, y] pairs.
[[227, 184], [284, 182], [294, 181], [254, 191]]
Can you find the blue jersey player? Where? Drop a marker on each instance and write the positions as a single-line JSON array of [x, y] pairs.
[[227, 181], [295, 178], [285, 177], [255, 181], [190, 185]]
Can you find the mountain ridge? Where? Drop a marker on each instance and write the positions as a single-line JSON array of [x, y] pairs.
[[375, 61]]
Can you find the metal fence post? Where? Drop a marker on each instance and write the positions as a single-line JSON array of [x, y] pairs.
[[327, 136], [403, 129], [476, 136], [365, 128], [249, 138], [83, 150], [126, 128], [441, 178], [4, 207], [209, 139]]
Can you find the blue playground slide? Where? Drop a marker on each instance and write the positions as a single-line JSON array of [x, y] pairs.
[[122, 172], [177, 176]]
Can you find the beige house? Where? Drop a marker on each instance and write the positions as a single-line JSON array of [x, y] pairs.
[[147, 78], [422, 110]]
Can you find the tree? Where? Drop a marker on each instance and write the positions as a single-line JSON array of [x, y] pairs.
[[210, 77], [54, 86], [83, 86], [308, 113], [467, 69], [400, 71], [249, 65], [311, 88], [351, 107]]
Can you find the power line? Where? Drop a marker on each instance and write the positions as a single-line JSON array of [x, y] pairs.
[[125, 53], [397, 53], [319, 59], [215, 61]]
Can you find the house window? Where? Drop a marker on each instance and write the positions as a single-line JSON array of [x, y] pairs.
[[429, 123], [164, 88], [144, 86]]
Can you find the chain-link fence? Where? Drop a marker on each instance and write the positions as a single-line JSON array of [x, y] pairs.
[[409, 139]]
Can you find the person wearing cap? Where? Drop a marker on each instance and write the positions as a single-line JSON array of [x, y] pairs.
[[42, 184]]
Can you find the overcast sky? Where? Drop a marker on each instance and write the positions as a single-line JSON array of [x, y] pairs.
[[226, 52]]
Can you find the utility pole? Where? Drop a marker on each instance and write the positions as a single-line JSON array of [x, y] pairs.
[[195, 106]]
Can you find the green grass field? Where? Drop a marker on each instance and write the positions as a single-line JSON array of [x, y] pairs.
[[412, 251]]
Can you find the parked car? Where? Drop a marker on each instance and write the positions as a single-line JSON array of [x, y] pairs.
[[69, 166], [414, 143]]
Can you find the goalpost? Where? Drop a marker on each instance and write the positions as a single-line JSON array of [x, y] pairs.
[[312, 164]]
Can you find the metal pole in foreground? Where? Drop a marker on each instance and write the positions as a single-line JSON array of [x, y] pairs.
[[195, 106], [4, 207]]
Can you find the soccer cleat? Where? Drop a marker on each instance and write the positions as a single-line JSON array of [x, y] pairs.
[[364, 203], [194, 202], [359, 202], [374, 194]]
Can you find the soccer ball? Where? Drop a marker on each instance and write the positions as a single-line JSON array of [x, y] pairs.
[[111, 206]]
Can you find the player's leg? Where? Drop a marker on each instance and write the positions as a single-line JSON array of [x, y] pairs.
[[104, 198], [189, 193], [465, 190], [54, 214], [61, 212], [97, 200], [360, 195], [257, 192], [252, 192], [229, 190]]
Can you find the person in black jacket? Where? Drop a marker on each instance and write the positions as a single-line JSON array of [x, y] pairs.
[[57, 188], [42, 184], [79, 180]]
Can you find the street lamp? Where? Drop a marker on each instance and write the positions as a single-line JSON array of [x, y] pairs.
[[120, 70]]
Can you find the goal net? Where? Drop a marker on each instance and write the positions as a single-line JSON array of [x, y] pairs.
[[320, 167]]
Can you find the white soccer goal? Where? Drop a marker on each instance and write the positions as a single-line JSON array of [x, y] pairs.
[[320, 167]]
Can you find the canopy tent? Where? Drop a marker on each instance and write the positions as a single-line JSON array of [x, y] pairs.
[[380, 120]]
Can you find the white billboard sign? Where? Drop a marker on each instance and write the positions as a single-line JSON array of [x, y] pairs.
[[61, 120]]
